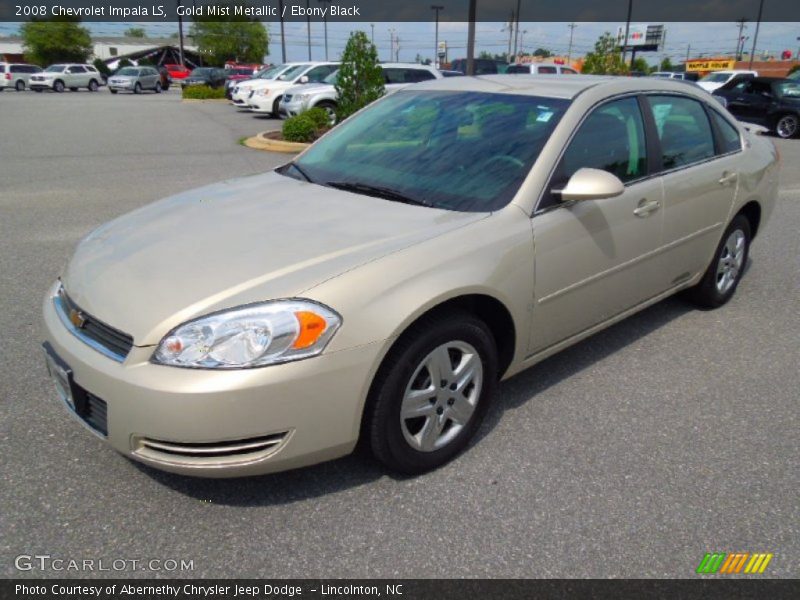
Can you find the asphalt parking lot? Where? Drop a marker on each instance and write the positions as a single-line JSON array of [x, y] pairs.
[[672, 434]]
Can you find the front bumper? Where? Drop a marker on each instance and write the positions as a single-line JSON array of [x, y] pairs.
[[291, 109], [262, 104], [221, 423]]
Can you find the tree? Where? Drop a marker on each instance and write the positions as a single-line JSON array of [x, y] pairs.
[[639, 64], [666, 65], [542, 52], [135, 32], [220, 39], [605, 59], [360, 79], [48, 41]]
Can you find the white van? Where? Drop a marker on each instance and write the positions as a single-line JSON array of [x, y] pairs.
[[541, 69]]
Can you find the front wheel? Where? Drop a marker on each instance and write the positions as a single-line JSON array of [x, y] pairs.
[[725, 271], [330, 110], [158, 87], [431, 393], [58, 86], [787, 126], [93, 86], [137, 89]]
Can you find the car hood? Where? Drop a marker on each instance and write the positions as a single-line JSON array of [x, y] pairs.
[[310, 88], [709, 86], [232, 243]]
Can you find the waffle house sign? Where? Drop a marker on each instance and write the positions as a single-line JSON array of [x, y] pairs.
[[709, 65]]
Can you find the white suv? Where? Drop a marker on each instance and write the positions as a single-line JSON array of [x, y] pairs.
[[16, 75], [63, 76], [265, 96], [541, 69], [396, 76]]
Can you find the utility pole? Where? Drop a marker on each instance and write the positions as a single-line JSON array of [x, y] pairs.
[[740, 39], [688, 51], [397, 48], [627, 29], [283, 36], [436, 8], [180, 34], [755, 35], [510, 35], [471, 37], [308, 28], [325, 20], [372, 37], [516, 35], [391, 44], [572, 27]]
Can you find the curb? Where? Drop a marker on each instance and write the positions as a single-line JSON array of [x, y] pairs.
[[262, 142], [204, 100]]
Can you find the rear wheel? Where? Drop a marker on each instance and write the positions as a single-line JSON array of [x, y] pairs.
[[330, 109], [725, 271], [20, 86], [431, 393], [158, 87], [787, 126], [93, 86], [58, 86]]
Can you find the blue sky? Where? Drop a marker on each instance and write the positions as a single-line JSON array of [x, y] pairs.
[[418, 38]]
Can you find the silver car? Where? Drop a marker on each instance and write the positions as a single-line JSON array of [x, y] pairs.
[[66, 76], [380, 285], [16, 75], [135, 79]]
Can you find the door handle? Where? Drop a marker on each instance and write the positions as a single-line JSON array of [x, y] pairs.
[[646, 207], [727, 178]]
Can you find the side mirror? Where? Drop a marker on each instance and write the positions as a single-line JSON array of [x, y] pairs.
[[591, 184], [303, 79]]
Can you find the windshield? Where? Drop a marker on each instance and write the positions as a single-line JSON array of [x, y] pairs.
[[128, 71], [788, 89], [202, 72], [717, 77], [54, 69], [271, 72], [795, 75], [465, 151], [293, 72]]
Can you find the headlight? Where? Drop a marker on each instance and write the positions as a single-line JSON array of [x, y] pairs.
[[255, 335], [262, 92]]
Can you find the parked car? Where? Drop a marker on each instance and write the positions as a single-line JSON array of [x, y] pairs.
[[135, 79], [240, 92], [177, 72], [771, 102], [210, 76], [16, 75], [265, 94], [396, 76], [541, 69], [72, 76], [382, 283], [235, 75], [483, 66], [450, 73], [717, 79], [668, 75]]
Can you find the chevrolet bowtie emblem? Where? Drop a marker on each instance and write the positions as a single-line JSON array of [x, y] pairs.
[[76, 318]]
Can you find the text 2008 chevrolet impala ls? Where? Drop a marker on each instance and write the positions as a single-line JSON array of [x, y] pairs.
[[380, 285]]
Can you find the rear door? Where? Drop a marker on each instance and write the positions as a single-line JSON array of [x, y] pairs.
[[596, 258], [700, 153]]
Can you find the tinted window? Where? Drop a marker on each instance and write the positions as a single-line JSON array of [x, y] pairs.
[[77, 69], [518, 69], [16, 69], [729, 137], [417, 75], [318, 74], [547, 70], [683, 129], [611, 139], [2, 68], [466, 151], [568, 71]]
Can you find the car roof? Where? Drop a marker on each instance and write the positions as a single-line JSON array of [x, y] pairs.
[[405, 65], [554, 87]]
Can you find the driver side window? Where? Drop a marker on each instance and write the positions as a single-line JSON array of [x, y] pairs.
[[611, 139]]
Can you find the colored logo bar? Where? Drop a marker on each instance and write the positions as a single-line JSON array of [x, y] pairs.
[[734, 563]]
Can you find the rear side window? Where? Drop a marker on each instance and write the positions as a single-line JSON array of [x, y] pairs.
[[417, 75], [317, 74], [518, 69], [2, 68], [566, 71], [547, 70], [729, 140], [683, 129]]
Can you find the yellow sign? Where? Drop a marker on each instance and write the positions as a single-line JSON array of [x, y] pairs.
[[709, 65]]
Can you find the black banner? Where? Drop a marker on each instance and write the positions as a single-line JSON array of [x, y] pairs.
[[405, 589], [654, 11]]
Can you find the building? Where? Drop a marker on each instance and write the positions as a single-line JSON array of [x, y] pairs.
[[765, 68]]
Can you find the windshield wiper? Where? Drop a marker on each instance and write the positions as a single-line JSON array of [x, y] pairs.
[[301, 171], [377, 191]]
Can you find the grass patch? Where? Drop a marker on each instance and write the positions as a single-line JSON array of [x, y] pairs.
[[203, 92]]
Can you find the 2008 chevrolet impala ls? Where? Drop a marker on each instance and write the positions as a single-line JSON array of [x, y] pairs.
[[380, 285]]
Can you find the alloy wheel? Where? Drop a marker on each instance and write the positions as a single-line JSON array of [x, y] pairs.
[[787, 126], [730, 261]]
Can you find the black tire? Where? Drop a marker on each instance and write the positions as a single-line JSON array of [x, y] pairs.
[[787, 126], [707, 293], [112, 91], [383, 428], [330, 108], [137, 89], [276, 108], [93, 85], [19, 86], [158, 87], [58, 86]]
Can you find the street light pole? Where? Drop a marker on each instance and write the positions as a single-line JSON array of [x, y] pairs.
[[572, 27], [325, 20], [308, 28], [180, 33], [740, 40], [436, 8], [755, 35], [283, 36]]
